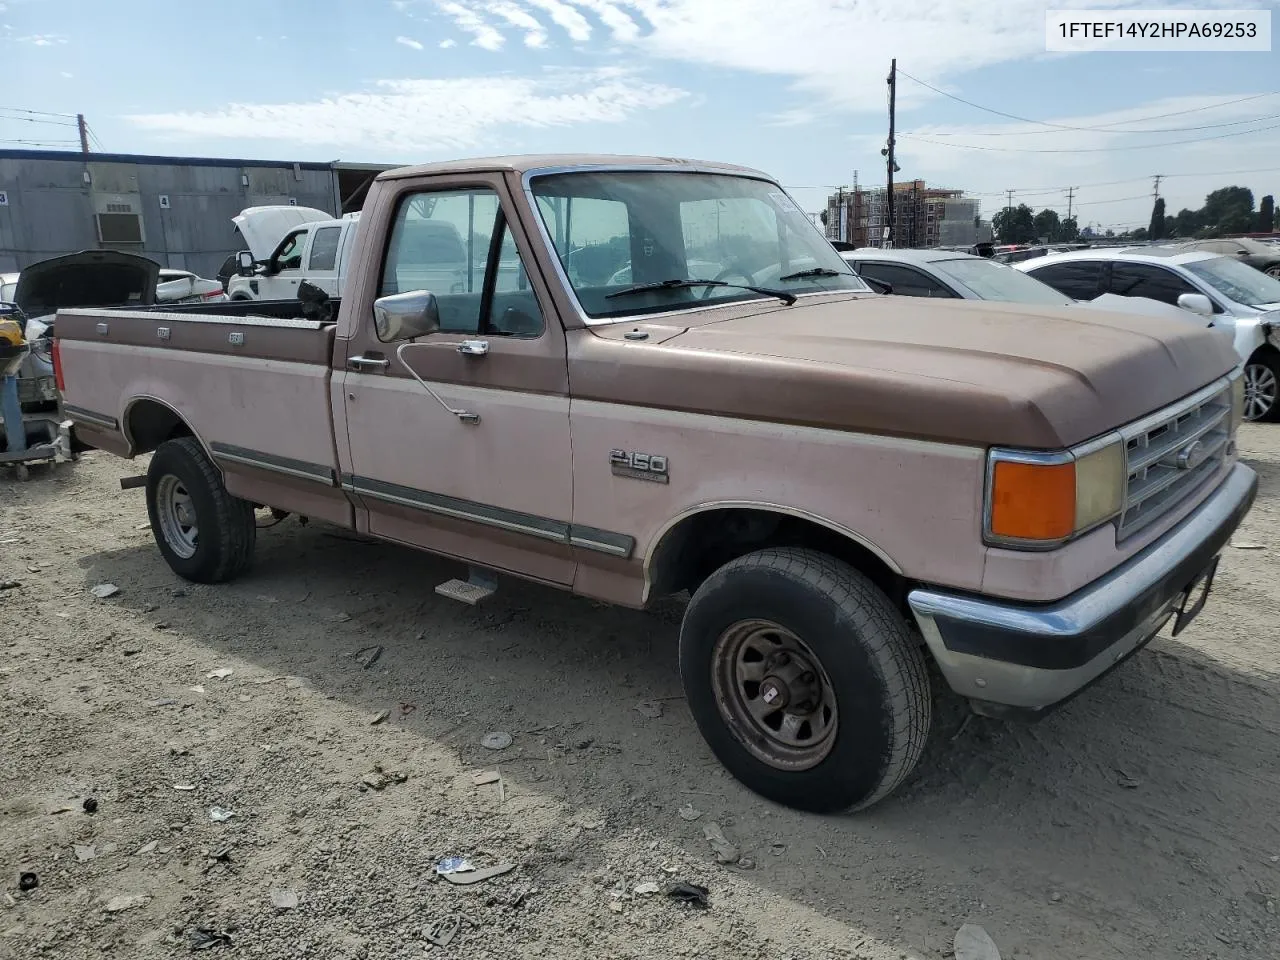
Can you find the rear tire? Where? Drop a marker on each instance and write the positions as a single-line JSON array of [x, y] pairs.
[[843, 661], [204, 533]]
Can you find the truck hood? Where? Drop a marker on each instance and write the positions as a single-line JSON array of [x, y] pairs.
[[969, 372], [90, 278], [264, 227]]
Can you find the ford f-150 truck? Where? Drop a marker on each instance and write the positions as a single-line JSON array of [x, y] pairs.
[[656, 376]]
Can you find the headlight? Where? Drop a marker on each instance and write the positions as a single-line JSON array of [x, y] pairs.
[[1237, 400], [1041, 500]]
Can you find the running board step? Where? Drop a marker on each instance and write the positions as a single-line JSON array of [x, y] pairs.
[[479, 585]]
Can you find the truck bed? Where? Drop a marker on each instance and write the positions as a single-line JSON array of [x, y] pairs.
[[251, 379]]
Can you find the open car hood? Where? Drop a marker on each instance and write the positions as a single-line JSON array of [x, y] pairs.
[[264, 227], [90, 278]]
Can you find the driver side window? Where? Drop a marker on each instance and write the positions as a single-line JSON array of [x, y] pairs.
[[289, 256]]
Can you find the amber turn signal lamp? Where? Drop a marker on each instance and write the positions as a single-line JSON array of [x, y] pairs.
[[1033, 501]]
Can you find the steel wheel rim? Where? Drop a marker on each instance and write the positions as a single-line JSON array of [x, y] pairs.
[[177, 515], [775, 695], [1260, 389]]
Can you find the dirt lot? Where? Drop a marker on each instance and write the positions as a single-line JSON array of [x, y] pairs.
[[1142, 820]]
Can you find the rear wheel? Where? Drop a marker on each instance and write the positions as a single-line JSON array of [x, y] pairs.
[[804, 680], [1262, 387], [205, 534]]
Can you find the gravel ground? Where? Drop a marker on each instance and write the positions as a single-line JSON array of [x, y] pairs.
[[1139, 821]]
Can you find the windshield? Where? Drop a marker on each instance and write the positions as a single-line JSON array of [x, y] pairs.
[[1237, 281], [995, 281], [615, 230]]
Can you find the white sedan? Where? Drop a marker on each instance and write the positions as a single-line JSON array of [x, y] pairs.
[[182, 286]]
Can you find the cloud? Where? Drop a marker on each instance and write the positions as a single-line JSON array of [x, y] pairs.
[[42, 39], [428, 116], [409, 42], [468, 21], [446, 44]]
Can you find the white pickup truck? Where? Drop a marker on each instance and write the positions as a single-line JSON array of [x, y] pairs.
[[290, 245]]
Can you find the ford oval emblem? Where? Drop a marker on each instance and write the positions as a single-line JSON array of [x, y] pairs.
[[1192, 455]]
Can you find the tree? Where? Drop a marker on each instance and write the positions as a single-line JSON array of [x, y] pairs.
[[1047, 225], [1015, 224], [1069, 230], [1156, 230], [1267, 214], [1228, 210], [1137, 235], [1187, 223]]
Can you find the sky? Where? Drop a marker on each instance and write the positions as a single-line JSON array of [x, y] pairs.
[[797, 89]]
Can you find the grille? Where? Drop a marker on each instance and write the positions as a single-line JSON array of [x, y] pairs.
[[1160, 472]]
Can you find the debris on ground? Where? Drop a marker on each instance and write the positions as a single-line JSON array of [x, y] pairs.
[[379, 717], [689, 813], [441, 932], [690, 893], [340, 618], [85, 853], [380, 779], [368, 656], [746, 863], [973, 943], [283, 898], [184, 787], [104, 590], [28, 881], [198, 688], [725, 851], [206, 938], [468, 877], [1249, 546], [646, 889], [650, 709], [10, 584], [147, 847], [1128, 782], [483, 777], [220, 815], [220, 674], [131, 649], [497, 740], [453, 865], [126, 901], [90, 805]]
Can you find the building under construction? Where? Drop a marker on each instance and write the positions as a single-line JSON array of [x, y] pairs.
[[924, 216]]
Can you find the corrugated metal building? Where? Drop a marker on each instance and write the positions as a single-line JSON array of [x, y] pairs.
[[175, 210]]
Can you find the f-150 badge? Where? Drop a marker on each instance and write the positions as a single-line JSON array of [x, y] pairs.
[[638, 466]]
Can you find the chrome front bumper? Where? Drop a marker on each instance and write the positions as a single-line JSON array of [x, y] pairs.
[[1021, 658]]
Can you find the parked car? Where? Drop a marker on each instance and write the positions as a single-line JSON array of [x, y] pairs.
[[8, 286], [845, 483], [949, 274], [183, 286], [1259, 255], [1234, 296]]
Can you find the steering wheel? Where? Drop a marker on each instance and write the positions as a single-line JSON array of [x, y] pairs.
[[732, 270]]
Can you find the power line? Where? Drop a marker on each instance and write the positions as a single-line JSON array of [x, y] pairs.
[[1136, 146], [1067, 126], [39, 143], [52, 123], [1032, 133], [43, 113]]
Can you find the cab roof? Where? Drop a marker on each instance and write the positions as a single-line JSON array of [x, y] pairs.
[[525, 163]]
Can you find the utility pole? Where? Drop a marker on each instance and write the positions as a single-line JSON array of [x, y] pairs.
[[893, 102], [1071, 195], [1156, 192], [84, 133], [840, 217], [1008, 211]]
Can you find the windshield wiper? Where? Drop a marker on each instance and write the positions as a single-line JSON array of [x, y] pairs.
[[815, 272], [674, 284]]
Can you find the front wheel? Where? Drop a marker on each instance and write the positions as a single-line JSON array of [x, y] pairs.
[[204, 533], [1262, 387], [804, 680]]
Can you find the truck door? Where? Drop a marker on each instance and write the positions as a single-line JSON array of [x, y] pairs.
[[322, 259], [459, 439], [285, 268]]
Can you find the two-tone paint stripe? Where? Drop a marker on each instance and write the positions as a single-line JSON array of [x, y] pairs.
[[513, 521], [90, 418]]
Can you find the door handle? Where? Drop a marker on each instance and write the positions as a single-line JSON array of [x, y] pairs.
[[473, 348], [362, 363]]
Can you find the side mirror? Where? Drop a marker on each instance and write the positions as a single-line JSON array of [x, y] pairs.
[[404, 316], [1197, 303], [244, 263]]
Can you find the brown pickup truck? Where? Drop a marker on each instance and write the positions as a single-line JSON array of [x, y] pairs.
[[638, 376]]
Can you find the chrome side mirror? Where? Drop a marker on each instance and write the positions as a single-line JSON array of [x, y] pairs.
[[403, 316], [1197, 303]]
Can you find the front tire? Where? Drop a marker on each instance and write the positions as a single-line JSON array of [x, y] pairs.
[[1262, 387], [204, 533], [804, 680]]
